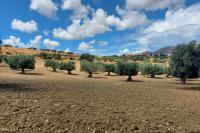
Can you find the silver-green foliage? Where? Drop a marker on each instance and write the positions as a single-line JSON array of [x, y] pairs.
[[91, 67], [152, 69], [69, 66], [21, 62], [53, 64]]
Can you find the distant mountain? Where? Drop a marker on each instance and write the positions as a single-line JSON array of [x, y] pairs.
[[165, 51]]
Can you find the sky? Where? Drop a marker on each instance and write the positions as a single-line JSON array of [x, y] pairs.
[[101, 27]]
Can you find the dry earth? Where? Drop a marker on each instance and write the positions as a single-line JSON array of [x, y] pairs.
[[43, 101]]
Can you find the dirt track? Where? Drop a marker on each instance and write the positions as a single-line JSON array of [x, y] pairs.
[[43, 101]]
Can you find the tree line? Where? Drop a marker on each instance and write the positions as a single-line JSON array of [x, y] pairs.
[[184, 64]]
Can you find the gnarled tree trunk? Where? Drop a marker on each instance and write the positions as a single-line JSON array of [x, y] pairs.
[[23, 71], [69, 72], [129, 78], [183, 80], [90, 75], [153, 76], [108, 73]]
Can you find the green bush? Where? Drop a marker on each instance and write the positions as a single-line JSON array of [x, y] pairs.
[[87, 57], [53, 64], [152, 69], [109, 68], [56, 56], [69, 66], [45, 56], [91, 67], [21, 62], [120, 67]]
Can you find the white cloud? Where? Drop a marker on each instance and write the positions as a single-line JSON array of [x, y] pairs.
[[29, 26], [125, 51], [51, 44], [46, 32], [100, 23], [179, 26], [36, 42], [80, 11], [67, 50], [14, 41], [130, 19], [45, 7], [100, 43], [154, 4], [85, 47]]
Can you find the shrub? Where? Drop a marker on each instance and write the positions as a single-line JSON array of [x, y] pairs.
[[91, 67], [185, 61], [21, 62], [87, 57], [45, 56], [152, 69], [120, 67], [69, 66], [109, 68], [53, 64], [56, 56]]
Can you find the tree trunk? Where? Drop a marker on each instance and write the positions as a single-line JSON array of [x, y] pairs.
[[90, 75], [23, 71], [108, 73], [183, 80], [152, 75], [69, 72], [129, 78], [121, 73]]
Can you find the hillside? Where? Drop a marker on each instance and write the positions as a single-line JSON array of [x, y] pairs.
[[166, 50], [14, 50]]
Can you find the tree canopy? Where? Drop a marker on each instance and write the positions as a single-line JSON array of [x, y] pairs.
[[185, 61]]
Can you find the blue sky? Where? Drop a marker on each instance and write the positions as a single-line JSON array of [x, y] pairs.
[[98, 26]]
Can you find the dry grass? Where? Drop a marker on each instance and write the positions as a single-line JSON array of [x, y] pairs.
[[43, 101]]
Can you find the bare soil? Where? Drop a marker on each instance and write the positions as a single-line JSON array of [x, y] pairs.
[[44, 101]]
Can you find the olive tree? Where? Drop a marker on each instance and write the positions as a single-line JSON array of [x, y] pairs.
[[129, 68], [120, 67], [168, 71], [53, 64], [69, 66], [1, 58], [87, 57], [109, 68], [152, 69], [91, 67], [185, 61], [21, 62]]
